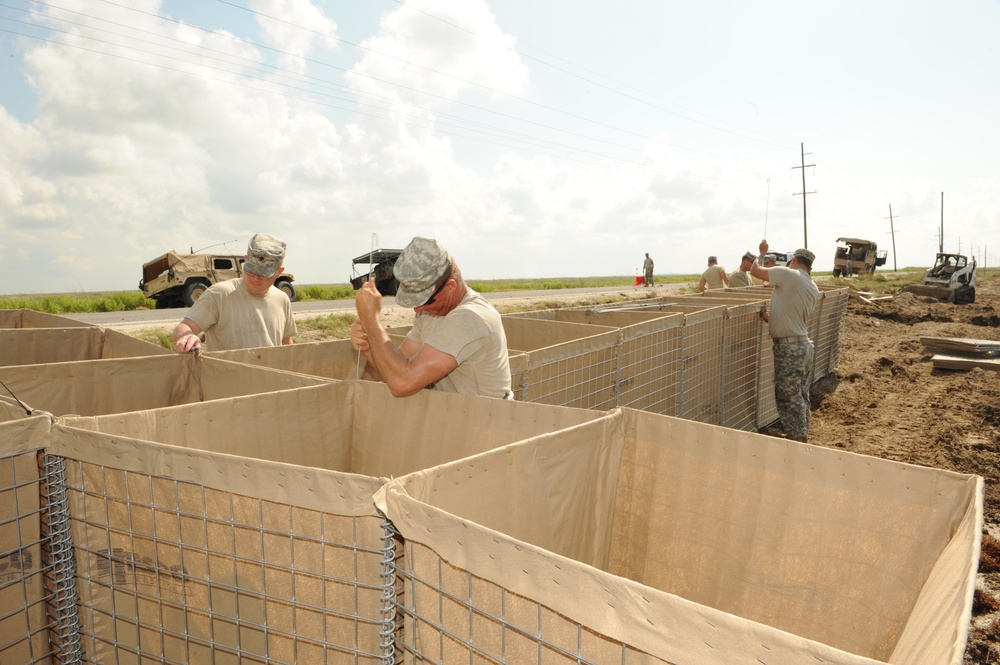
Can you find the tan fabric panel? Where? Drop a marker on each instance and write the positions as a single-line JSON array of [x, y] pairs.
[[97, 387], [119, 345], [395, 436], [333, 360], [932, 634], [555, 491], [23, 620], [821, 543], [726, 546], [35, 346], [283, 426], [28, 318], [532, 335], [352, 427]]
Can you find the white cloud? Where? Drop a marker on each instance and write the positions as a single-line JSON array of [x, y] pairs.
[[148, 142], [296, 28]]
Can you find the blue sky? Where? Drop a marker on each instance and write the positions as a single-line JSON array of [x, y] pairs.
[[533, 139]]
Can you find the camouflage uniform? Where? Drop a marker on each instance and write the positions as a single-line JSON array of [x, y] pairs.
[[792, 377]]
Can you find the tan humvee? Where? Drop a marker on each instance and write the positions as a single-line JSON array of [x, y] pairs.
[[178, 280]]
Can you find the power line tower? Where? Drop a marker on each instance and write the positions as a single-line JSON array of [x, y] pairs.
[[892, 232], [805, 227]]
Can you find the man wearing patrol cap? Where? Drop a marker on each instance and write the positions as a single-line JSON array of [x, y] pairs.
[[741, 277], [457, 342], [714, 277], [242, 313], [792, 302]]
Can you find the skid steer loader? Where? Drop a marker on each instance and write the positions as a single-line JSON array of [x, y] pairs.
[[951, 278]]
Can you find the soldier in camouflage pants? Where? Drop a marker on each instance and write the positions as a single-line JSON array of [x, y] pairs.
[[792, 377]]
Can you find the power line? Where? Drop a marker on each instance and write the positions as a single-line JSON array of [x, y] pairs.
[[308, 79]]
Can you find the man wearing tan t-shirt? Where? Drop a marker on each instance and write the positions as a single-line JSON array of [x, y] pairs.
[[792, 303], [243, 313], [457, 342], [714, 277]]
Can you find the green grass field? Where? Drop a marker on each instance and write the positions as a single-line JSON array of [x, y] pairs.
[[121, 301]]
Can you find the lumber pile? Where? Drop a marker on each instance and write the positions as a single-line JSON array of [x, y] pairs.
[[961, 353]]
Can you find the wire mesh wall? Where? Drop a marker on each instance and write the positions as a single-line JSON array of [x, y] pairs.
[[177, 572], [452, 616], [24, 592], [741, 365]]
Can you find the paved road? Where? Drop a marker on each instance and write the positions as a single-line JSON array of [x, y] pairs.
[[156, 317]]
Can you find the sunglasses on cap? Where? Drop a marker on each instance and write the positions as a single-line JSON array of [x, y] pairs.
[[437, 291]]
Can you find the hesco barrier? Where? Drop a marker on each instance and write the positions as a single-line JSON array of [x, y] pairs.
[[52, 345], [167, 509], [29, 318], [706, 357], [96, 387], [644, 538], [516, 533]]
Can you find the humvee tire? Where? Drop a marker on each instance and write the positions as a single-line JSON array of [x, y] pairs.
[[193, 291], [286, 286]]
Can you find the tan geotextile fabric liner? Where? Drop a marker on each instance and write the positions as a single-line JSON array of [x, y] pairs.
[[352, 426], [396, 436], [11, 410], [308, 426], [29, 318], [22, 590], [709, 523], [94, 387], [821, 543], [192, 555], [531, 335], [36, 346], [334, 359]]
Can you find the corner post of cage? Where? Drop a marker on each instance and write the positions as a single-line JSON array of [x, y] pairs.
[[57, 551], [390, 617]]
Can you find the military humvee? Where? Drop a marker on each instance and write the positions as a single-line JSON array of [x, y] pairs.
[[178, 280], [379, 264]]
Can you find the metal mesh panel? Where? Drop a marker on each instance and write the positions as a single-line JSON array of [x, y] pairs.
[[24, 626], [453, 616], [741, 349], [585, 379], [827, 326], [701, 367], [176, 572], [649, 371], [767, 407]]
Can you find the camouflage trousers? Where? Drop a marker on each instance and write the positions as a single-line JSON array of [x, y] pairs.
[[792, 379]]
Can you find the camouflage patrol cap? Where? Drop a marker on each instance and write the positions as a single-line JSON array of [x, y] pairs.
[[265, 254], [420, 265], [713, 259], [803, 253], [749, 257]]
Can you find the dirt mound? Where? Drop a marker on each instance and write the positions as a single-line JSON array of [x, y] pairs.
[[887, 400]]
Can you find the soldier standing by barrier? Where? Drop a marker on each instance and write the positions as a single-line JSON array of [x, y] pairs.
[[242, 313], [647, 269], [741, 277], [792, 304], [714, 276]]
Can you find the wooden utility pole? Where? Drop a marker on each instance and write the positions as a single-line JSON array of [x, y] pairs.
[[941, 232], [892, 232], [805, 227]]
